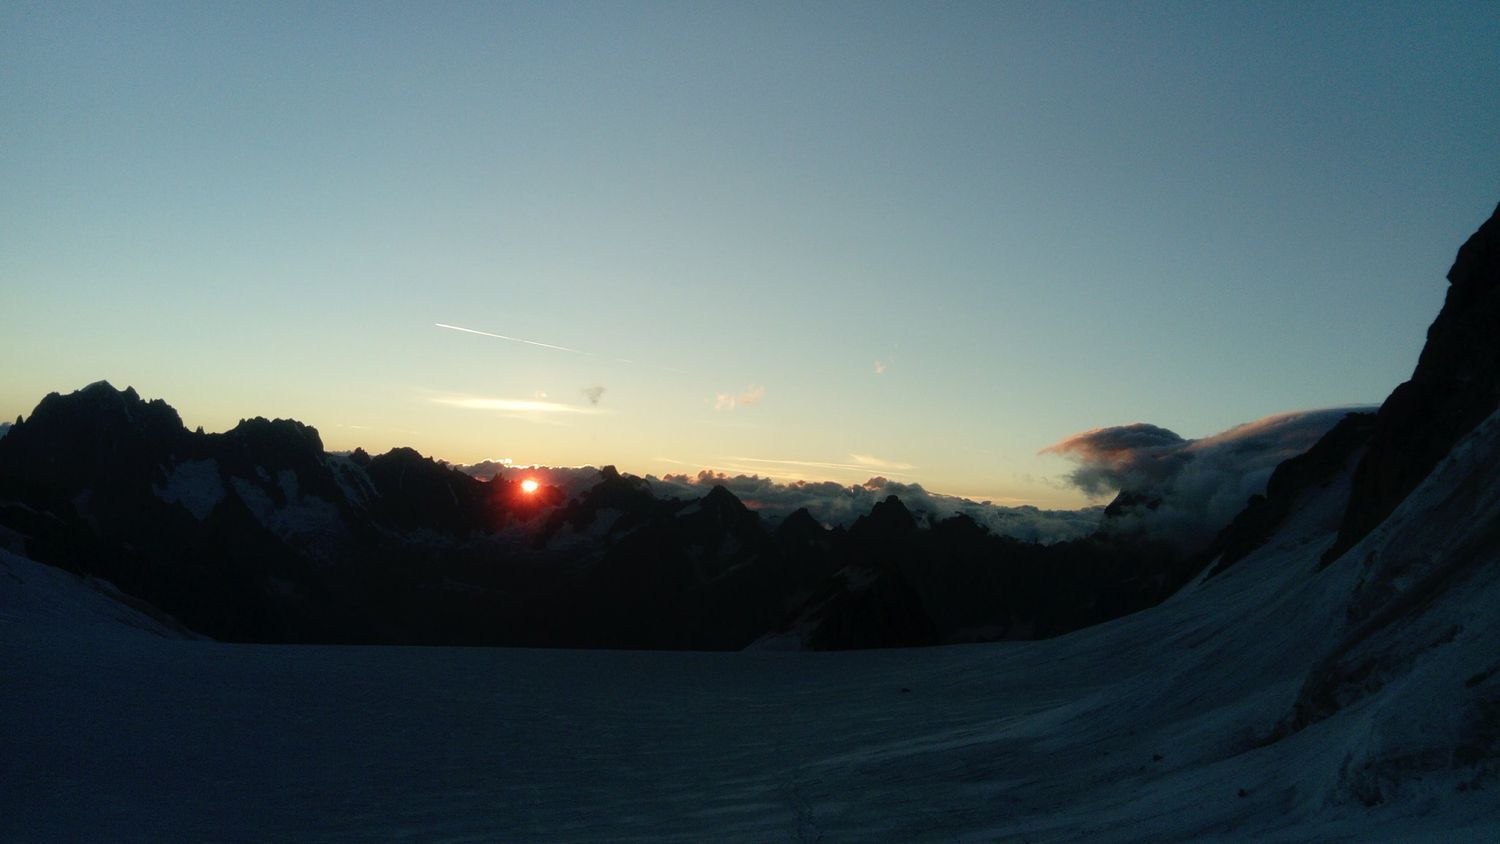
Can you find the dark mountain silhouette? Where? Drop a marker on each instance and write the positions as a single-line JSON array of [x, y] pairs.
[[1398, 617], [1290, 483], [1455, 386], [258, 534]]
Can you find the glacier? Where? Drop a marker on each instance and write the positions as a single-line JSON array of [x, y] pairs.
[[1175, 723]]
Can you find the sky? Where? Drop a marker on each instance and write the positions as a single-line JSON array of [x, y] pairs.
[[820, 241]]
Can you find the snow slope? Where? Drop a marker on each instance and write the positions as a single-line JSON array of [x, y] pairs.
[[1176, 723], [46, 600]]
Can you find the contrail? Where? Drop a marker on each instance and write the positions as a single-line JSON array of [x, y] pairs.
[[511, 339], [542, 345]]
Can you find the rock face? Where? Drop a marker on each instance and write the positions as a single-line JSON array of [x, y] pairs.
[[1455, 386], [1420, 617], [1289, 485]]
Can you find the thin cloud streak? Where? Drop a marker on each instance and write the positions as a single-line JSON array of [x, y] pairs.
[[877, 463], [511, 339], [516, 405], [554, 347], [815, 464]]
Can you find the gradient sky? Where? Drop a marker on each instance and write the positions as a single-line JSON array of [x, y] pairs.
[[917, 240]]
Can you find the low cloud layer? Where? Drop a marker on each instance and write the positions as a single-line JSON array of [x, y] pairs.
[[831, 503], [1200, 484], [836, 504], [1197, 486]]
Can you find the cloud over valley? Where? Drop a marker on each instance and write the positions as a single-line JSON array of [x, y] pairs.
[[1189, 488]]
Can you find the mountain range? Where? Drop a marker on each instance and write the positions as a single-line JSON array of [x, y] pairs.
[[259, 534], [1326, 667]]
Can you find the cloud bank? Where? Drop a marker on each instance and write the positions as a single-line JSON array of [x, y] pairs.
[[833, 504], [836, 504], [1186, 490]]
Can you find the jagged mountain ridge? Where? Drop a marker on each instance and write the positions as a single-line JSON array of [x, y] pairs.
[[1290, 692], [258, 534], [246, 534], [1455, 386]]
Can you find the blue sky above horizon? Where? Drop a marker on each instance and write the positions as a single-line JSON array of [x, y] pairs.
[[828, 241]]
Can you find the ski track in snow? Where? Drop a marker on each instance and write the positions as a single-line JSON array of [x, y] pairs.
[[1148, 728]]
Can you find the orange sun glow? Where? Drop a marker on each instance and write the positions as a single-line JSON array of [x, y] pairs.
[[528, 486]]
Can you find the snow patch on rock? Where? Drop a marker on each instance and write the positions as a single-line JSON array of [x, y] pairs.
[[308, 518], [195, 484]]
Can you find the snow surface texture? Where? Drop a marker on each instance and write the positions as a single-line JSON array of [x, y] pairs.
[[42, 598], [1155, 727]]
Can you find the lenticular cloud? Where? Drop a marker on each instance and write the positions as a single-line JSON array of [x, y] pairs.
[[1191, 488]]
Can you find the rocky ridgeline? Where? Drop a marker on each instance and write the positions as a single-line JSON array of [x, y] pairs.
[[1456, 386], [258, 534]]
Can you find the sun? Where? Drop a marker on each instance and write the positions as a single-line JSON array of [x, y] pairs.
[[529, 486]]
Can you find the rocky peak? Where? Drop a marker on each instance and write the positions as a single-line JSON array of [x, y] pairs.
[[800, 526], [721, 500], [278, 435], [626, 492], [94, 438], [101, 408], [1128, 502], [721, 510], [1455, 386], [887, 520]]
